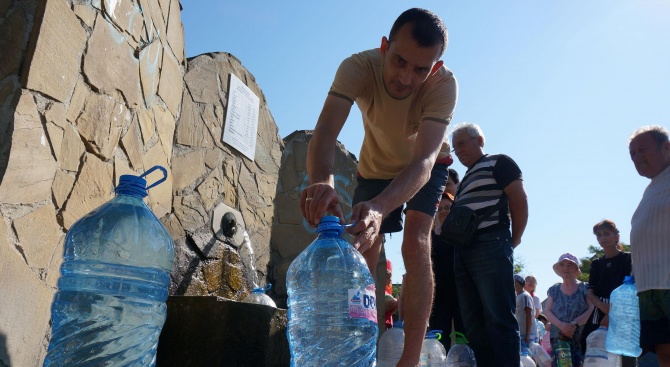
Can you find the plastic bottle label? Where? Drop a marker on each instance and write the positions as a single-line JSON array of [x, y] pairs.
[[362, 304]]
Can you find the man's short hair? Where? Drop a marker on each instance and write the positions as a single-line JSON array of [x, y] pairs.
[[428, 30], [454, 176], [473, 130], [658, 132]]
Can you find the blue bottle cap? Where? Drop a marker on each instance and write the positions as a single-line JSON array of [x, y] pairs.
[[137, 186], [629, 280], [132, 185], [434, 334], [330, 223], [262, 290], [398, 324]]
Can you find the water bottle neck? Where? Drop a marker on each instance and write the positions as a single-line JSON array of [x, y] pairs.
[[130, 185], [329, 233]]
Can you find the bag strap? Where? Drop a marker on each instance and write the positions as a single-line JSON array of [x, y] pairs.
[[488, 213]]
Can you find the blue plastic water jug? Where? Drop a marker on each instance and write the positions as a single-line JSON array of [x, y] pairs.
[[623, 336], [332, 314], [525, 359], [391, 345], [259, 297], [110, 306], [461, 355], [433, 353], [596, 354]]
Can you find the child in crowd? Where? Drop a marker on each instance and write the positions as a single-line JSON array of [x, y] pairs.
[[568, 308], [531, 284], [606, 274], [544, 342], [524, 312]]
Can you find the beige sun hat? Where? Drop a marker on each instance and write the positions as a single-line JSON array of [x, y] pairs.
[[570, 257]]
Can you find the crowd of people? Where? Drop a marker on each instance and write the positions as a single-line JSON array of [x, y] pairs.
[[407, 97]]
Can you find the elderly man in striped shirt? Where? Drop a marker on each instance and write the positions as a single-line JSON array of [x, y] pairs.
[[484, 269], [649, 149]]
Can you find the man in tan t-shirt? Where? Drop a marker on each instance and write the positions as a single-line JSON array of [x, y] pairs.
[[406, 97]]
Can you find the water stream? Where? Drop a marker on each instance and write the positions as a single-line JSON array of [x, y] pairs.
[[247, 258]]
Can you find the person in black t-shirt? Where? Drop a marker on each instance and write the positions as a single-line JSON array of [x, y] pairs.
[[607, 273]]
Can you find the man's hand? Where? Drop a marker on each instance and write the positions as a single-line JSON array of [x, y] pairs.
[[368, 218], [318, 199]]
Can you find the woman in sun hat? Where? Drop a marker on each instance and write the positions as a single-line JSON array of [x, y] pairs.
[[568, 308]]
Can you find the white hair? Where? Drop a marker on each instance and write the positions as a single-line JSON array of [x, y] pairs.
[[472, 129], [659, 133]]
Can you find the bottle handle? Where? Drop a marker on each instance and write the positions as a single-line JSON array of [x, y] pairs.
[[160, 181]]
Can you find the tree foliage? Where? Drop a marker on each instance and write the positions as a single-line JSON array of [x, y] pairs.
[[519, 264], [596, 252]]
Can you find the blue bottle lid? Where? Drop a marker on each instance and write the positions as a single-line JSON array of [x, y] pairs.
[[137, 185], [629, 280], [262, 290], [399, 324], [330, 223], [132, 185], [434, 334]]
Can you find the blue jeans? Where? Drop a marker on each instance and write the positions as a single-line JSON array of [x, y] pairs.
[[484, 274]]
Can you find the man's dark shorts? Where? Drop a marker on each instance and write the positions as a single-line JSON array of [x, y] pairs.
[[425, 201], [654, 318]]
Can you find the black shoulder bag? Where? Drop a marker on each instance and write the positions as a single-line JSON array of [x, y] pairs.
[[460, 225]]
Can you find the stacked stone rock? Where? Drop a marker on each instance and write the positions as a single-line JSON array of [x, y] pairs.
[[89, 90], [208, 172], [94, 89]]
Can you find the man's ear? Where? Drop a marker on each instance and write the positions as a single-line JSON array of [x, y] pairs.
[[480, 141], [384, 46], [666, 150], [436, 67]]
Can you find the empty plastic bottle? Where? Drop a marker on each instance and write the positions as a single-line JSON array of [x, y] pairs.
[[110, 306], [433, 353], [596, 354], [526, 361], [623, 336], [332, 314], [460, 354], [258, 296], [539, 355], [391, 344]]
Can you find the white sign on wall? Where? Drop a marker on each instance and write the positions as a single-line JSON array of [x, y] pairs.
[[241, 123]]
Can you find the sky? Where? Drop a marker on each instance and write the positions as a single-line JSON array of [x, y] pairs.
[[559, 86]]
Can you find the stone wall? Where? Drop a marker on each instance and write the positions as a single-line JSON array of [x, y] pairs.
[[290, 232], [206, 264], [93, 89], [89, 90]]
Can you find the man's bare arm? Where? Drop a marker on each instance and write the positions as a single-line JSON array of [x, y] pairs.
[[320, 197], [518, 207]]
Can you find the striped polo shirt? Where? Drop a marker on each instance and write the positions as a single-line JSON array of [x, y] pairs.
[[650, 235], [482, 187]]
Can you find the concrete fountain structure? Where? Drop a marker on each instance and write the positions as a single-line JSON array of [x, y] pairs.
[[93, 89]]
